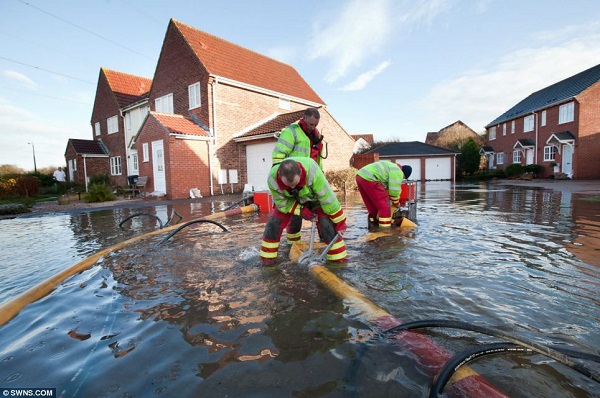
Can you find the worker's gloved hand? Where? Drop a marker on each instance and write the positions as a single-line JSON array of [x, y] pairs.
[[307, 213], [340, 227]]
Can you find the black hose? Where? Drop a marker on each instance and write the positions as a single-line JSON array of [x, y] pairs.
[[231, 206], [190, 223], [173, 213], [141, 214], [466, 356], [539, 348]]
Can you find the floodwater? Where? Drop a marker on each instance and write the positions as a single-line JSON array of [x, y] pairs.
[[197, 316]]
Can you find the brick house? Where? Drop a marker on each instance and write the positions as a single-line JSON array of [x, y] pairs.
[[85, 158], [120, 106], [455, 133], [557, 127], [220, 95]]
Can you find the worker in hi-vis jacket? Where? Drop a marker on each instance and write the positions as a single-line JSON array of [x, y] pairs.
[[299, 188], [379, 184]]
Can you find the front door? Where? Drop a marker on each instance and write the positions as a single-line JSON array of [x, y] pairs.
[[567, 160], [158, 167]]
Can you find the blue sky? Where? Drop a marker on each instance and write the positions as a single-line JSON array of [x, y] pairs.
[[394, 68]]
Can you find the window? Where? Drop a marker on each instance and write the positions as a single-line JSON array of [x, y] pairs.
[[492, 133], [73, 165], [194, 95], [145, 156], [543, 123], [566, 113], [284, 104], [134, 161], [97, 128], [164, 104], [512, 127], [112, 124], [500, 158], [115, 166], [503, 128], [528, 123], [516, 156], [549, 152]]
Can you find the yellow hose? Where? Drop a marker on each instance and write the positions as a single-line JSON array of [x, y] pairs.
[[12, 307]]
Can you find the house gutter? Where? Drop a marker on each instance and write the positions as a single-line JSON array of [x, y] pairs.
[[85, 172]]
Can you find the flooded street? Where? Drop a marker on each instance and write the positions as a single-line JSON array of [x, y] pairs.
[[198, 316]]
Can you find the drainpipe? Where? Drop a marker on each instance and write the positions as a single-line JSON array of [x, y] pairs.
[[85, 172], [536, 137], [214, 140]]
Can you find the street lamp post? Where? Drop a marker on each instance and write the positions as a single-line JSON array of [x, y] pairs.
[[34, 165]]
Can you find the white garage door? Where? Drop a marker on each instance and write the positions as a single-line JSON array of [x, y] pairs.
[[416, 168], [259, 163], [438, 169]]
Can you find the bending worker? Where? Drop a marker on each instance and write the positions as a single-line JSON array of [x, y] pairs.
[[300, 139], [379, 185], [297, 184]]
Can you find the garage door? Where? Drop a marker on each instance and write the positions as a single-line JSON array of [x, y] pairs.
[[416, 167], [259, 164], [438, 169]]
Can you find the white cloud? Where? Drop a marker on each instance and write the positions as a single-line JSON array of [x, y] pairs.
[[19, 77], [364, 78], [360, 31], [478, 97]]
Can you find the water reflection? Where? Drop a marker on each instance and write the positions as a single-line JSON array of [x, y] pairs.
[[192, 315]]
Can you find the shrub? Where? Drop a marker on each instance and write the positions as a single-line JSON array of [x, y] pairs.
[[534, 168], [342, 180], [99, 179], [99, 193], [13, 208], [515, 169], [27, 185]]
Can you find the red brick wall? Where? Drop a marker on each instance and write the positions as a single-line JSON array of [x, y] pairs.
[[106, 106], [360, 160], [587, 148]]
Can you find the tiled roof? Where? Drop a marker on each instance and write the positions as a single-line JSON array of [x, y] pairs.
[[87, 147], [556, 93], [231, 61], [367, 137], [179, 125], [413, 148], [128, 89], [272, 125]]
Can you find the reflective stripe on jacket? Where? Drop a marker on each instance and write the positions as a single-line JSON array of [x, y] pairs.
[[293, 142], [388, 173]]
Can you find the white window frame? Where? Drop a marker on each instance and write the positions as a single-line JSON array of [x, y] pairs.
[[549, 153], [517, 156], [528, 123], [194, 95], [503, 128], [164, 104], [492, 134], [566, 113], [112, 124], [284, 103], [500, 158], [512, 127], [543, 122], [145, 152], [73, 164], [97, 130], [115, 166]]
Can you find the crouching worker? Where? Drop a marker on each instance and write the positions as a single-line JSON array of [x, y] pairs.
[[379, 185], [299, 187]]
